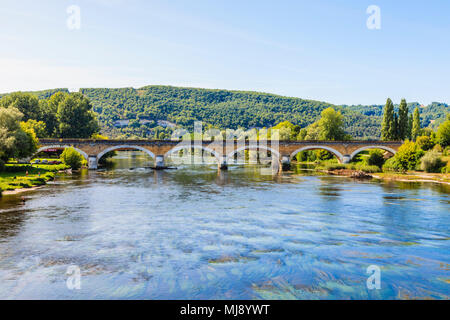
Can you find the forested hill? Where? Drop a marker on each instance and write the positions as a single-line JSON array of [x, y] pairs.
[[219, 108], [145, 111]]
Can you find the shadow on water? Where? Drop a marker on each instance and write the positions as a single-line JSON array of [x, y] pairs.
[[11, 219]]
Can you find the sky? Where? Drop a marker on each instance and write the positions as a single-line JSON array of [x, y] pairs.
[[321, 50]]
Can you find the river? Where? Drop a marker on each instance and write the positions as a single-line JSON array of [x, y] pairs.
[[196, 233]]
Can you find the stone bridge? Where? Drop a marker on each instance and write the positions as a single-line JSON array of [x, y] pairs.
[[223, 151]]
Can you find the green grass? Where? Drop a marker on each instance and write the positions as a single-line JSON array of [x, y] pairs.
[[14, 176], [361, 166]]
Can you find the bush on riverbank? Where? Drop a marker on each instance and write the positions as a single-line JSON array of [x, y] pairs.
[[425, 143], [350, 166], [376, 158], [332, 166], [367, 168], [431, 162], [407, 158], [72, 158]]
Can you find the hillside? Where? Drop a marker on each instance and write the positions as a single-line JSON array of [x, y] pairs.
[[218, 108]]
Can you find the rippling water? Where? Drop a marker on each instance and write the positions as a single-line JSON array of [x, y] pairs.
[[194, 233]]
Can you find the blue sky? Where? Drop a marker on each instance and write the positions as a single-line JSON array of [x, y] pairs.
[[318, 50]]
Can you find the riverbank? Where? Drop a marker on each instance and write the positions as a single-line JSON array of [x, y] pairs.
[[406, 177], [414, 176], [17, 178], [17, 191], [359, 173]]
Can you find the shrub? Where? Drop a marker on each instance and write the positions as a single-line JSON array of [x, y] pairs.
[[443, 133], [431, 162], [323, 154], [425, 143], [407, 158], [334, 166], [367, 168], [72, 158], [392, 164], [376, 158]]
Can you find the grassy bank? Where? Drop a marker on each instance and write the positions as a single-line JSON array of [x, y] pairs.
[[25, 176], [333, 167]]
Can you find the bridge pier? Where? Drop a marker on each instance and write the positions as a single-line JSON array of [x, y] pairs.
[[346, 159], [223, 165], [285, 163], [159, 162], [92, 163]]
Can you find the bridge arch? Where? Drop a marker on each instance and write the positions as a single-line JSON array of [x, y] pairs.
[[372, 147], [183, 147], [251, 147], [44, 148], [124, 146], [316, 147]]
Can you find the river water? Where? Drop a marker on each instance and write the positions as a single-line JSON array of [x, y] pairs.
[[194, 233]]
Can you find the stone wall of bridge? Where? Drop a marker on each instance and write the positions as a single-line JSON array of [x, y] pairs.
[[284, 151]]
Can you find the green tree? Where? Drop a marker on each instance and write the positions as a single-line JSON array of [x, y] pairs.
[[287, 130], [403, 121], [27, 141], [37, 126], [331, 125], [407, 158], [72, 158], [376, 158], [415, 131], [322, 154], [76, 118], [14, 141], [49, 109], [302, 134], [425, 143], [313, 131], [410, 125], [443, 133], [396, 128], [26, 103], [388, 124]]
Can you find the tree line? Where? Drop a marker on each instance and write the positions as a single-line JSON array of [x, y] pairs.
[[24, 118], [61, 115]]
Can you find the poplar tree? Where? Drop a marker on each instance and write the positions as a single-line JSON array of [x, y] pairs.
[[410, 125], [388, 125], [415, 132], [396, 128], [403, 124]]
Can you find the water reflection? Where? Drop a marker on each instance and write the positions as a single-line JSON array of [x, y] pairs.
[[199, 233]]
